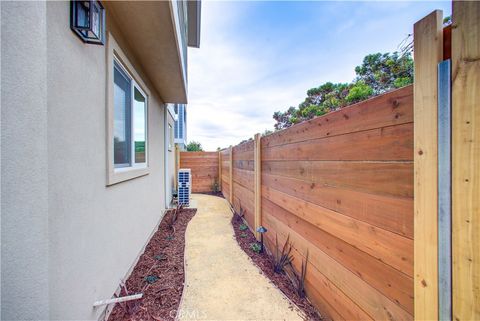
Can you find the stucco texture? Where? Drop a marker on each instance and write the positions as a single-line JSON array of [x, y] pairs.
[[67, 238], [221, 282], [24, 175]]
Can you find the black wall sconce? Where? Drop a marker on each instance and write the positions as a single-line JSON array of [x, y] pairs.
[[87, 20]]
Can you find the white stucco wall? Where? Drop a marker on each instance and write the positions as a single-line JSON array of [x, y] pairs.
[[96, 231], [24, 193], [67, 238], [170, 161]]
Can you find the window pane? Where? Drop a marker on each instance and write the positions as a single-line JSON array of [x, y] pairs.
[[139, 126], [122, 118]]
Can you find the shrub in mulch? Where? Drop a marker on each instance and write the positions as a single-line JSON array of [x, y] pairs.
[[159, 273], [246, 240]]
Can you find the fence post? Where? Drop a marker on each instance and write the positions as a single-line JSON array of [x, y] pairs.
[[230, 195], [220, 171], [466, 160], [428, 52], [177, 166], [257, 161]]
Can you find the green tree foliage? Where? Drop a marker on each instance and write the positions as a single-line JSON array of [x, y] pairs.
[[358, 92], [384, 72], [377, 74], [194, 146], [267, 132]]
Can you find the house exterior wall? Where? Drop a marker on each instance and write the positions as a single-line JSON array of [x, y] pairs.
[[24, 175], [170, 165], [67, 238]]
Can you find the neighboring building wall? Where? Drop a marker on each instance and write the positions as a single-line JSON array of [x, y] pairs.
[[67, 239], [24, 170], [181, 126]]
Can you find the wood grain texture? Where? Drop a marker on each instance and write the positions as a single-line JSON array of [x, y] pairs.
[[257, 183], [341, 186], [369, 177], [386, 143], [220, 171], [244, 200], [428, 53], [230, 175], [365, 296], [393, 108], [204, 167], [466, 160], [394, 214], [376, 273], [385, 246]]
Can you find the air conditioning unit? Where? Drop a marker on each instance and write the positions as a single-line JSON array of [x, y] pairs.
[[184, 186]]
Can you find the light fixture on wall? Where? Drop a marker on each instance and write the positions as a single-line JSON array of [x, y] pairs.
[[87, 20]]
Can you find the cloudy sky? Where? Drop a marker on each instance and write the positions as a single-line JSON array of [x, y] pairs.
[[259, 57]]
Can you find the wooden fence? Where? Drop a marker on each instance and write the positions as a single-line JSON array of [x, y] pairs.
[[342, 187], [204, 166]]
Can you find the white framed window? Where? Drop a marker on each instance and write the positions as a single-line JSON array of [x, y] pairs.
[[127, 118], [130, 121]]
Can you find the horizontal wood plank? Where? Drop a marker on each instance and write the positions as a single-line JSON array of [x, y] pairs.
[[376, 273], [374, 303], [386, 246], [390, 213], [386, 143], [369, 177], [390, 109]]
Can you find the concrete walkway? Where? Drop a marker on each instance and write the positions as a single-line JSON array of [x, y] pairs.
[[222, 283]]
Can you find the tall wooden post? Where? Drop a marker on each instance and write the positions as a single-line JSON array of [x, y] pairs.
[[230, 177], [428, 52], [177, 165], [466, 160], [257, 160], [219, 170]]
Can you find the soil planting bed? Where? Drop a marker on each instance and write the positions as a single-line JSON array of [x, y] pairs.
[[159, 274], [245, 239]]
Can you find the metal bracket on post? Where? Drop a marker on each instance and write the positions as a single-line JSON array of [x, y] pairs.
[[444, 191]]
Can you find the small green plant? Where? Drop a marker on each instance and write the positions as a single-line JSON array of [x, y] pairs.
[[243, 235], [215, 187], [150, 279], [300, 279], [160, 257], [169, 238], [243, 227], [283, 258], [174, 216], [240, 214], [255, 247]]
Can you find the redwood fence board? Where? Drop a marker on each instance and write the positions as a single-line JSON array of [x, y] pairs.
[[204, 167], [341, 186]]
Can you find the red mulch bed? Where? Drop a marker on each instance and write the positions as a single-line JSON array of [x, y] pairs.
[[262, 260], [162, 265]]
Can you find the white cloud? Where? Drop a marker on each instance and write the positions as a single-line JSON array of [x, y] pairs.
[[239, 76]]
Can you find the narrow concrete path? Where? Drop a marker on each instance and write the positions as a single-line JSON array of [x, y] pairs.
[[221, 282]]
